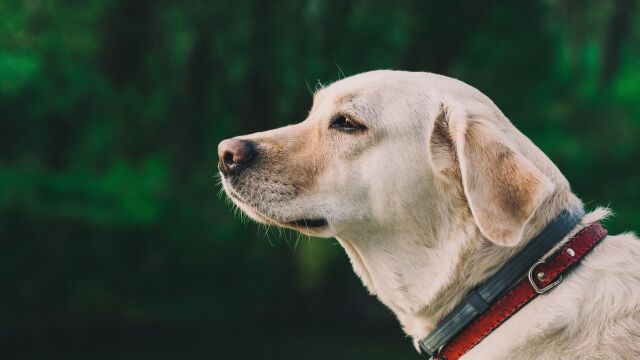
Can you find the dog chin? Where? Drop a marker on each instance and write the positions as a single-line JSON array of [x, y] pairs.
[[252, 213], [313, 226]]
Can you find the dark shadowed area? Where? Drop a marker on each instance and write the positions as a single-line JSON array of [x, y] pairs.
[[114, 240]]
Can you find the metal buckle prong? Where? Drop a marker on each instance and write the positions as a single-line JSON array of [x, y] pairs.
[[535, 286]]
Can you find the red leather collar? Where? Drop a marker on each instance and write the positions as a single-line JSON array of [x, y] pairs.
[[543, 276]]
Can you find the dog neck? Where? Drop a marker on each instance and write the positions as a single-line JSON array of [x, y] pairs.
[[422, 273]]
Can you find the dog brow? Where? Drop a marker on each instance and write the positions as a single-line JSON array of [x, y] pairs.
[[345, 98]]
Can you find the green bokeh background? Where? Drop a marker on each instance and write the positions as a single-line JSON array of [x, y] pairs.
[[114, 242]]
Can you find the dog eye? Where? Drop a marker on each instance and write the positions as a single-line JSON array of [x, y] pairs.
[[346, 124]]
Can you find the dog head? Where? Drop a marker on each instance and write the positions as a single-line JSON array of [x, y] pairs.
[[387, 151]]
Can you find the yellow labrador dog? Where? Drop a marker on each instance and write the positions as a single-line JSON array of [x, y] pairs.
[[430, 189]]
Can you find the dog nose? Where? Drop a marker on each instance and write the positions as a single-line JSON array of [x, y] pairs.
[[234, 152]]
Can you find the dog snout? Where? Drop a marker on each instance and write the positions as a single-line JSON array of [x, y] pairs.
[[234, 154]]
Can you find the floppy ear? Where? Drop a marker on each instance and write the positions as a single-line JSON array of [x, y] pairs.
[[503, 188]]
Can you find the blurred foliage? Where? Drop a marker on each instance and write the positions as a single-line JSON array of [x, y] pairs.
[[110, 113]]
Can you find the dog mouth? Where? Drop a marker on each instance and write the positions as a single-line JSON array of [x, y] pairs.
[[300, 224], [308, 223]]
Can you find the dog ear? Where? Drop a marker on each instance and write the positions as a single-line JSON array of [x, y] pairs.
[[502, 188]]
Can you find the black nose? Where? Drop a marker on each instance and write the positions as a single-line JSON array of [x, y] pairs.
[[233, 153]]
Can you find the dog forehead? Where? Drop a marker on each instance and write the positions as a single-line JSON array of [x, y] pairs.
[[398, 98], [380, 81], [368, 92]]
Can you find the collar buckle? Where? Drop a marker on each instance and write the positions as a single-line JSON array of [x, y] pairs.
[[541, 275]]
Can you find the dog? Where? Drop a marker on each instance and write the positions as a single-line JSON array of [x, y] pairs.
[[429, 188]]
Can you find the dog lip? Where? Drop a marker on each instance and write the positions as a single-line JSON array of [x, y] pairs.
[[309, 223]]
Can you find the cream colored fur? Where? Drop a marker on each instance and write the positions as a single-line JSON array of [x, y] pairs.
[[431, 199]]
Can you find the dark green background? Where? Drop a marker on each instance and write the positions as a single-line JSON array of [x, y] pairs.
[[114, 242]]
